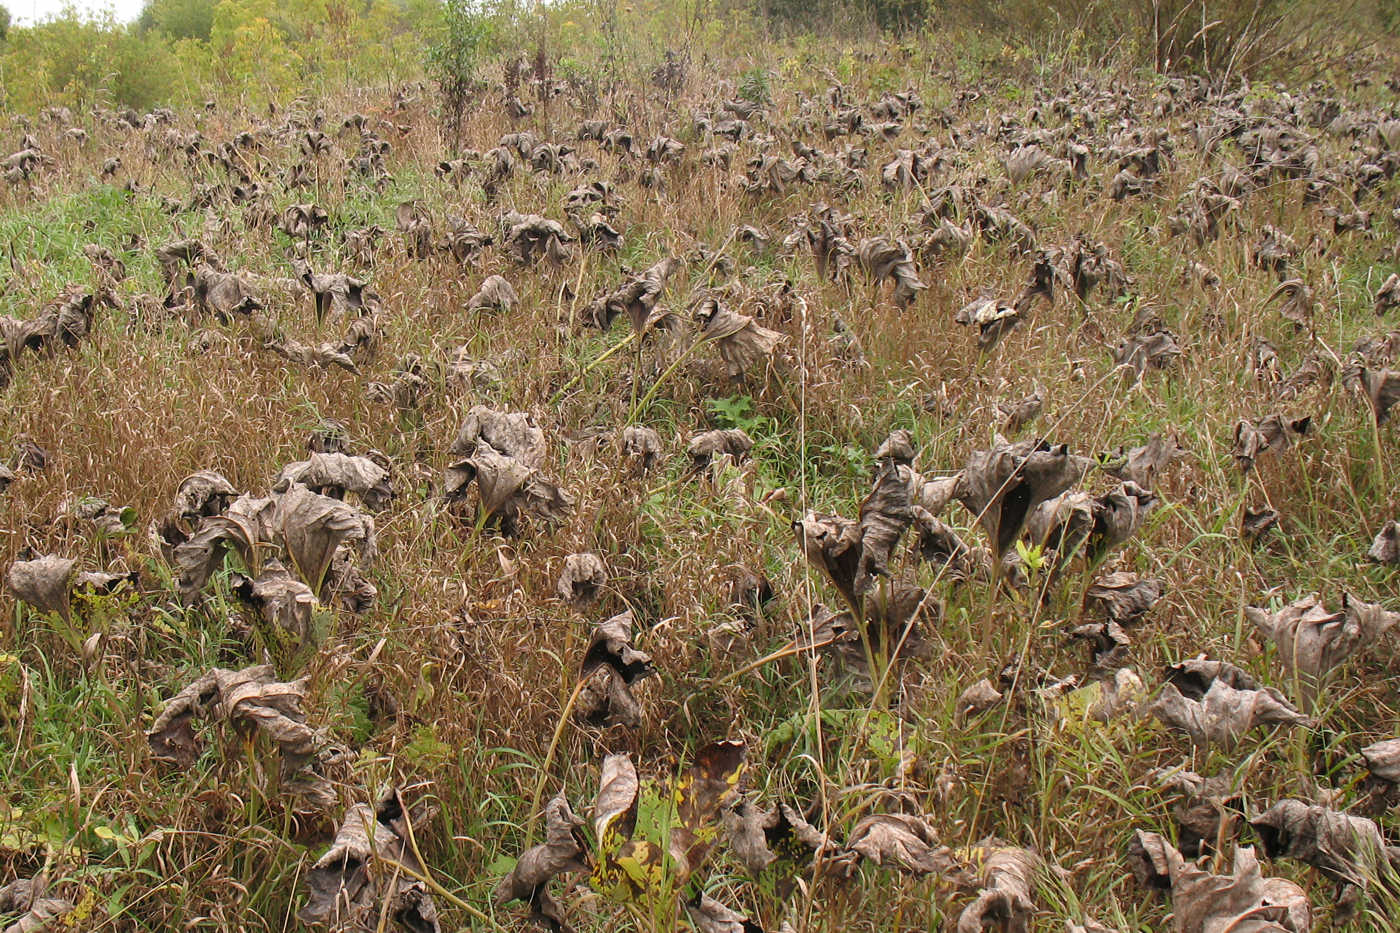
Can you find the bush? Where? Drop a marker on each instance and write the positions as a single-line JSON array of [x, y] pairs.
[[803, 15], [1220, 39]]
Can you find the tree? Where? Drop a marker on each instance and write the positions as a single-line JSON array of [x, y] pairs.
[[453, 59], [178, 19], [4, 23]]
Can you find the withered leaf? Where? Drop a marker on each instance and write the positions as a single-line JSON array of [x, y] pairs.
[[1383, 760], [1140, 352], [355, 882], [978, 698], [700, 793], [563, 850], [284, 602], [44, 583], [1298, 304], [993, 320], [335, 474], [1385, 549], [1002, 485], [1255, 523], [1343, 847], [581, 579], [1122, 597], [637, 298], [251, 699], [1206, 810], [313, 526], [611, 646], [708, 915], [1004, 903], [1274, 433], [1213, 706], [1245, 901], [743, 342], [897, 446], [833, 544], [495, 294], [1382, 388], [641, 447], [885, 259], [615, 807], [514, 434], [907, 841], [885, 514], [732, 442], [1142, 465], [1097, 523], [1313, 640]]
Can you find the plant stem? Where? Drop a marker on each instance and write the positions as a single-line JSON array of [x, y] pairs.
[[549, 760]]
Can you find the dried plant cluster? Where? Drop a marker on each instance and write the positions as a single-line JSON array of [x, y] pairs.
[[968, 506]]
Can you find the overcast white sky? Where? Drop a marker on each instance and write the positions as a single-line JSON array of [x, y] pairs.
[[30, 11]]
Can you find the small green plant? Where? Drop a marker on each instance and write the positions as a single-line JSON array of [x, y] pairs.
[[736, 411], [754, 87], [453, 60]]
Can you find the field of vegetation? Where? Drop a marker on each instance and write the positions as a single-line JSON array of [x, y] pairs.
[[641, 469]]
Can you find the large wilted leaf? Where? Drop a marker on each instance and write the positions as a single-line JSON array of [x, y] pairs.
[[1313, 640], [993, 320], [743, 342], [885, 514], [1002, 485], [357, 881], [507, 488], [1385, 549], [583, 576], [1245, 902], [313, 526], [1122, 597], [285, 603], [1343, 847], [514, 434], [44, 583], [202, 494], [610, 666], [336, 295], [636, 298], [698, 794], [1382, 388], [703, 448], [778, 839], [611, 646], [833, 544], [28, 897], [627, 870], [1004, 903], [1206, 811], [1216, 703], [908, 842], [254, 700], [531, 238], [335, 474], [641, 448], [885, 259], [563, 850], [1383, 760], [1272, 434], [708, 915], [495, 294], [1097, 524], [1142, 465], [245, 524], [1147, 349]]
